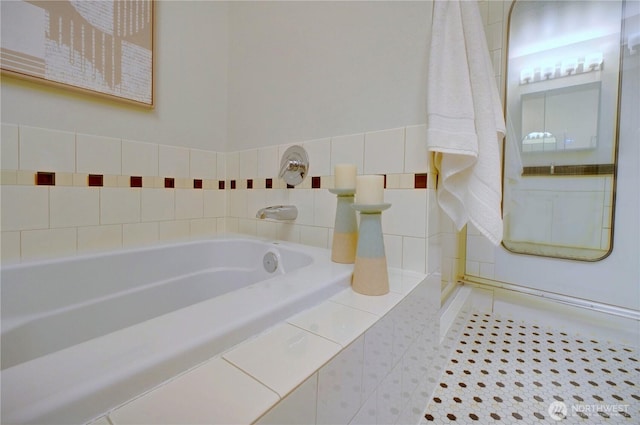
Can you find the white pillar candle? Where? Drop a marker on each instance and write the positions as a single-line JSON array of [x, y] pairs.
[[345, 176], [370, 189]]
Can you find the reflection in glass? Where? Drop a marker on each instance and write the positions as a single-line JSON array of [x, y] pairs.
[[561, 114]]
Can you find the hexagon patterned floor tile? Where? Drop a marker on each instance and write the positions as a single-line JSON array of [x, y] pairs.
[[510, 372]]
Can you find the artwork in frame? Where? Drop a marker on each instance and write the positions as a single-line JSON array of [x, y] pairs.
[[102, 47]]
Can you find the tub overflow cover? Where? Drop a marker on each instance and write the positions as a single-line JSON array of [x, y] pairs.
[[270, 262]]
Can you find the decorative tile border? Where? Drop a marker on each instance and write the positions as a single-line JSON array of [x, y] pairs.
[[47, 178]]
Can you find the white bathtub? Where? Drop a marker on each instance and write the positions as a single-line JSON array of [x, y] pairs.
[[85, 334]]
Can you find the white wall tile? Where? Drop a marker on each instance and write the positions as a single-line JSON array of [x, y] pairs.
[[303, 200], [433, 214], [393, 250], [299, 407], [174, 230], [267, 229], [157, 204], [248, 164], [268, 162], [256, 199], [472, 268], [487, 270], [288, 232], [203, 227], [408, 213], [276, 196], [232, 161], [384, 151], [74, 206], [214, 203], [319, 152], [98, 238], [434, 255], [47, 150], [348, 150], [173, 161], [314, 236], [203, 164], [98, 155], [139, 158], [222, 165], [414, 254], [136, 234], [237, 204], [24, 207], [119, 205], [415, 149], [9, 140], [340, 385], [48, 243], [10, 247], [248, 226], [189, 203], [325, 208]]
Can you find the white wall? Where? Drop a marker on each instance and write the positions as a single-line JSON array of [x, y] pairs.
[[190, 81], [308, 70]]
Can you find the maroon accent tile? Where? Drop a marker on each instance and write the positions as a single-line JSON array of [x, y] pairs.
[[135, 181], [385, 181], [420, 181], [221, 184], [268, 184], [44, 178], [95, 180], [290, 186], [232, 184], [169, 182], [197, 183], [249, 183], [315, 182]]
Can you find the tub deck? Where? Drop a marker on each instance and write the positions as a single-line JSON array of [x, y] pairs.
[[77, 383]]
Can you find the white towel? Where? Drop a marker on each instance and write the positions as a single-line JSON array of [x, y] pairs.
[[465, 125]]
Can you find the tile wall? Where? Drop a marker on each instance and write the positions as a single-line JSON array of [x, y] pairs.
[[411, 227], [133, 206], [65, 193]]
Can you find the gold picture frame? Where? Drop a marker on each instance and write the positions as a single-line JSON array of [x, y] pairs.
[[102, 47]]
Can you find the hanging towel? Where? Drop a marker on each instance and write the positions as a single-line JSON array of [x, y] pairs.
[[465, 124]]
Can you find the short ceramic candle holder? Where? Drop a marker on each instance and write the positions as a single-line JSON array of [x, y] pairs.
[[345, 233], [370, 276]]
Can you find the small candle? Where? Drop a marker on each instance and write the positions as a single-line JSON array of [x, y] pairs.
[[370, 189], [345, 176]]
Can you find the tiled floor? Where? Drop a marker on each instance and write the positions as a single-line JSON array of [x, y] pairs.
[[505, 371]]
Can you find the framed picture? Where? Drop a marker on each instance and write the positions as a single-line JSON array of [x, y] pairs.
[[102, 47]]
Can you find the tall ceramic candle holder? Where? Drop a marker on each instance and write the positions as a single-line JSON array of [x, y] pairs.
[[370, 276], [345, 233]]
